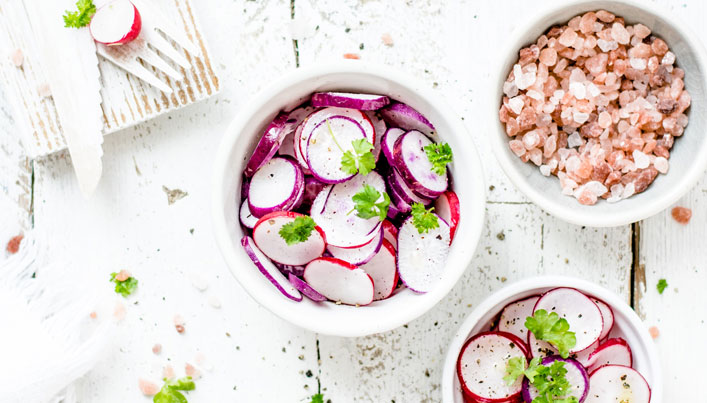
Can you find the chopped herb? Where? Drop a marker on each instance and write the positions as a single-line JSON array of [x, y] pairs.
[[550, 381], [662, 285], [369, 204], [317, 398], [423, 219], [124, 287], [170, 392], [81, 17], [439, 155], [360, 160], [298, 230], [552, 329]]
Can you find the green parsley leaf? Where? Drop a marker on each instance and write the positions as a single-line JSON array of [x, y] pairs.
[[552, 384], [81, 17], [662, 285], [516, 367], [317, 398], [369, 204], [298, 230], [360, 160], [552, 329], [423, 219], [170, 391], [126, 287], [185, 383], [439, 155]]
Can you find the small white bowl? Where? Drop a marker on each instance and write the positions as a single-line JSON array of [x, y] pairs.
[[290, 91], [627, 325], [688, 157]]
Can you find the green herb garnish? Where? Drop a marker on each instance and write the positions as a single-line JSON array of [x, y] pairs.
[[298, 230], [360, 160], [550, 381], [662, 285], [423, 219], [124, 287], [317, 398], [552, 329], [439, 155], [81, 17], [170, 392], [371, 203]]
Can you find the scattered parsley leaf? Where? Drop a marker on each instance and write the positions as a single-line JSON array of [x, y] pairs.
[[125, 287], [552, 329], [369, 204], [423, 219], [170, 391], [317, 398], [81, 17], [439, 155], [298, 230], [360, 160], [662, 285]]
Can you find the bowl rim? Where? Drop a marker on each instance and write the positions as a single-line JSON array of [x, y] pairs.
[[551, 281], [499, 143], [237, 128]]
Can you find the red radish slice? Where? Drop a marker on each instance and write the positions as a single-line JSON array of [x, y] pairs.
[[513, 316], [581, 312], [390, 233], [267, 236], [482, 365], [327, 143], [576, 376], [404, 116], [116, 22], [269, 270], [388, 142], [612, 352], [583, 356], [413, 164], [539, 348], [321, 116], [447, 207], [380, 129], [275, 186], [608, 315], [268, 144], [401, 188], [247, 218], [362, 102], [383, 271], [616, 383], [339, 281], [422, 257], [305, 289], [361, 255]]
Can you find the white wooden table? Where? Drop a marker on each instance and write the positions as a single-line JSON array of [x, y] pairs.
[[256, 357]]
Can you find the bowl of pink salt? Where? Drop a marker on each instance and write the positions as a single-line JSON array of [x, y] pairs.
[[599, 111]]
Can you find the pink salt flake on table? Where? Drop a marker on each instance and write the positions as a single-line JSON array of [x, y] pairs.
[[179, 323], [681, 214], [654, 332], [168, 372], [156, 349], [191, 371], [123, 275], [148, 388]]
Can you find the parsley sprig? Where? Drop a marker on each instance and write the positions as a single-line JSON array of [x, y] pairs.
[[423, 219], [81, 17], [552, 329], [317, 398], [662, 285], [360, 160], [371, 203], [439, 155], [124, 287], [170, 392], [549, 380], [298, 230]]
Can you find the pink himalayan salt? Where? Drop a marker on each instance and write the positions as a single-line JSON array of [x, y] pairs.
[[654, 332], [681, 214], [548, 57], [119, 311], [168, 372], [190, 370], [605, 16], [156, 349], [567, 38], [123, 275], [148, 388], [179, 323], [17, 57], [620, 34], [387, 39]]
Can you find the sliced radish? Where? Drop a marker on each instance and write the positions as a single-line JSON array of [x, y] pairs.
[[312, 187], [327, 143], [305, 289], [267, 236], [608, 315], [576, 376], [583, 356], [360, 255], [401, 188], [401, 206], [115, 23], [539, 348], [581, 312], [288, 269], [275, 186], [513, 316], [247, 218], [422, 257], [297, 136], [362, 102], [616, 384], [447, 207], [413, 164], [319, 203], [404, 116], [320, 116], [612, 352], [339, 281], [390, 233], [287, 148], [383, 271], [388, 142], [481, 367], [268, 144], [393, 211], [269, 270], [380, 129]]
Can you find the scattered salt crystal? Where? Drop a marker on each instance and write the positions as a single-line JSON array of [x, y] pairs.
[[578, 90], [168, 372], [593, 90], [629, 191], [147, 388], [661, 165], [387, 39], [641, 31], [681, 214], [654, 332], [596, 187], [198, 281], [641, 160], [17, 57], [179, 323], [604, 120], [535, 95], [157, 348], [44, 90], [577, 76], [545, 170], [214, 302], [93, 315], [573, 163], [638, 64], [620, 34], [516, 104], [580, 117], [668, 59], [567, 38], [510, 89], [607, 46], [122, 275], [190, 370], [119, 311]]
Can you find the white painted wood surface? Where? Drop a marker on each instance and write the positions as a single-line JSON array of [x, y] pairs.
[[450, 45]]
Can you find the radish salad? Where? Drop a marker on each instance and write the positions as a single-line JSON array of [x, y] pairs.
[[347, 198], [555, 347]]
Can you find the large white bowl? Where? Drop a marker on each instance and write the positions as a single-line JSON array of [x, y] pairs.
[[291, 90], [627, 325], [688, 158]]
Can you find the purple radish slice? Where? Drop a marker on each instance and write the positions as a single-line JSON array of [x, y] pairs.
[[361, 255], [383, 271], [266, 235], [298, 153], [294, 119], [327, 143], [388, 142], [362, 102], [247, 218], [269, 270], [390, 233], [297, 201], [608, 315], [612, 352], [422, 257], [397, 183], [481, 367], [380, 129], [245, 188], [287, 148], [513, 316], [305, 289], [116, 23], [287, 269], [268, 144], [339, 281], [319, 202], [275, 186], [616, 383], [395, 199], [581, 312], [312, 187], [343, 227], [393, 211], [320, 116], [576, 375], [411, 161], [404, 116]]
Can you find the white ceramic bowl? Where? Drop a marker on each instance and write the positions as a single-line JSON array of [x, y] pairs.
[[688, 159], [286, 93], [627, 325]]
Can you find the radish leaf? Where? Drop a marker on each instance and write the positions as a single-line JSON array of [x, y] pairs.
[[552, 329], [369, 204], [362, 161], [81, 17], [439, 155], [298, 230], [423, 219]]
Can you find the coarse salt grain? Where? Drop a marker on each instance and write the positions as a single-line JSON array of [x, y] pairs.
[[681, 214], [516, 105], [148, 388], [640, 159], [654, 332], [214, 302], [17, 57], [545, 170], [661, 165], [198, 281], [156, 349]]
